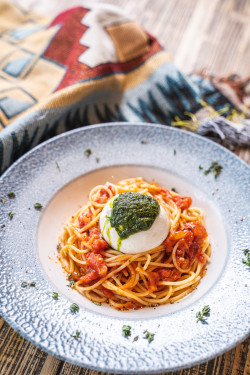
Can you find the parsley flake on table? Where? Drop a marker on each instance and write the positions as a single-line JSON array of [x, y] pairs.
[[215, 167], [77, 335], [38, 206], [149, 336], [11, 195], [74, 308], [126, 331], [201, 316], [87, 152], [25, 284], [247, 260], [11, 214]]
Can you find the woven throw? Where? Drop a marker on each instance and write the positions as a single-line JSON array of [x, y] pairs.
[[94, 65]]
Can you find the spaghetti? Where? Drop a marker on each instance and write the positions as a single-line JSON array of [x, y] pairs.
[[161, 275]]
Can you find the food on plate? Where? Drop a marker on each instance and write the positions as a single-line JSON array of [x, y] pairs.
[[135, 245], [133, 223]]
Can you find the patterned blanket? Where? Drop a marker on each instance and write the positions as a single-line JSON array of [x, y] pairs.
[[95, 65]]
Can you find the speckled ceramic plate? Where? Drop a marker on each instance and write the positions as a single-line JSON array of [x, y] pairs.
[[58, 174]]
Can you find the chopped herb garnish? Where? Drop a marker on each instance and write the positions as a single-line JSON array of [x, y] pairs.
[[54, 295], [69, 275], [58, 166], [74, 308], [76, 336], [11, 214], [71, 284], [98, 303], [215, 167], [200, 167], [11, 194], [2, 200], [25, 284], [174, 151], [201, 315], [126, 331], [87, 152], [97, 159], [247, 260], [143, 142], [149, 336], [38, 206]]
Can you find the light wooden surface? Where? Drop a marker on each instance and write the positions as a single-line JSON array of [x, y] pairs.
[[210, 34]]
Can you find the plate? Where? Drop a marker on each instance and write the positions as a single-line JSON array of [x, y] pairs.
[[59, 174]]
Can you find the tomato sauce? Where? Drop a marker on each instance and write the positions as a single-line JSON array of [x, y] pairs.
[[182, 202], [84, 218], [190, 240], [153, 279], [108, 293], [103, 196]]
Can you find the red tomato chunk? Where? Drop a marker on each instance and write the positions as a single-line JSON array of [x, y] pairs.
[[190, 244], [97, 263]]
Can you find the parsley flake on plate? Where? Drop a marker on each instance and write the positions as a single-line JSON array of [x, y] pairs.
[[87, 152], [201, 316], [126, 331], [149, 336], [74, 308], [77, 335], [11, 195], [58, 166], [215, 167], [11, 214], [54, 295], [25, 284], [71, 281], [247, 260], [38, 206]]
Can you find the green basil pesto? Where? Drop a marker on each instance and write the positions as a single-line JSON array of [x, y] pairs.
[[108, 229], [133, 213]]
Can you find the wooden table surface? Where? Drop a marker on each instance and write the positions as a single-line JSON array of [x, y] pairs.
[[211, 34]]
